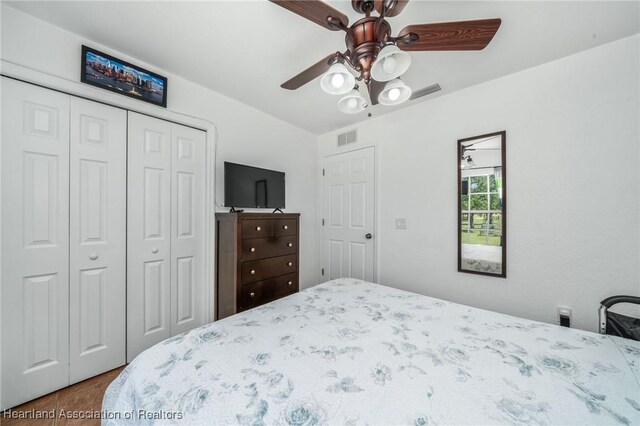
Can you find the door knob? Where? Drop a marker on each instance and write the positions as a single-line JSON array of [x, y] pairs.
[[93, 256], [368, 236], [154, 250]]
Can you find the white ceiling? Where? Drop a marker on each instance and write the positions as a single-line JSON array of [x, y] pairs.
[[246, 49]]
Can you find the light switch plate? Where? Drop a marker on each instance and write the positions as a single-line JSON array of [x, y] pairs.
[[401, 223]]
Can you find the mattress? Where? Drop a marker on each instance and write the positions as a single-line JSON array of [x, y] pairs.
[[352, 352]]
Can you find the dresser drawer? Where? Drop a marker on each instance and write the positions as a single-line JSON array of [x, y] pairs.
[[282, 227], [257, 228], [258, 270], [261, 248], [261, 292]]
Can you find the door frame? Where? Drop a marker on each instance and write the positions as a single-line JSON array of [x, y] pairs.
[[81, 90], [376, 209]]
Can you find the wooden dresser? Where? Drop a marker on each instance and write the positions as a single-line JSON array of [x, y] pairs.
[[256, 259]]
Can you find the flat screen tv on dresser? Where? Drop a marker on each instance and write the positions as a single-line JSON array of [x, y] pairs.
[[253, 187]]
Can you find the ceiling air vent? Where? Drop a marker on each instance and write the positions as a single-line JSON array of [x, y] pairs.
[[426, 91], [347, 138]]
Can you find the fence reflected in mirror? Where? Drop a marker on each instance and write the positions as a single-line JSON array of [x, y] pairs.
[[482, 201]]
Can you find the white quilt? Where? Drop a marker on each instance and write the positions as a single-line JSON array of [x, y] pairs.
[[352, 352]]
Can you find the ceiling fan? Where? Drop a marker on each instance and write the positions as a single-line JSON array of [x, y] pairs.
[[378, 58]]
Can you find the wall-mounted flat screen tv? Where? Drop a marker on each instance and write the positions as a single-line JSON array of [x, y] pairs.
[[252, 187]]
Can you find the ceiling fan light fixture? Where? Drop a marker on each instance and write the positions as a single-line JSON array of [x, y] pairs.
[[352, 103], [337, 80], [391, 63], [467, 162], [395, 92]]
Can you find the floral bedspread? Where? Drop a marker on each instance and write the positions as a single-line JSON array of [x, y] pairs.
[[352, 352]]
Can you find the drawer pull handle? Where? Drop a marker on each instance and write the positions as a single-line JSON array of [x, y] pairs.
[[252, 294], [253, 249], [290, 283], [285, 227], [290, 264], [290, 245], [154, 250], [253, 272], [93, 256], [258, 228]]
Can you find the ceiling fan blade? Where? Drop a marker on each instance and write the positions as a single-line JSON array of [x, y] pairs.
[[391, 7], [462, 35], [375, 87], [309, 74], [316, 11]]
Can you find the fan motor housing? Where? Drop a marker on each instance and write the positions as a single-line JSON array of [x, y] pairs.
[[365, 40]]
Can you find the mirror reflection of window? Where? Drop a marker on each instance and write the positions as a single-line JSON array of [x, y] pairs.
[[482, 213], [482, 210]]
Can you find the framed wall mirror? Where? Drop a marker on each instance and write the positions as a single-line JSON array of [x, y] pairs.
[[482, 205]]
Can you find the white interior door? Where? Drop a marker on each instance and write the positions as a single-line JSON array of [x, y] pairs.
[[187, 228], [97, 283], [349, 215], [35, 242], [148, 233]]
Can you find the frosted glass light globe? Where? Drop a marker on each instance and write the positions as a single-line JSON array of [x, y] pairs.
[[389, 64], [337, 80], [352, 103], [394, 94]]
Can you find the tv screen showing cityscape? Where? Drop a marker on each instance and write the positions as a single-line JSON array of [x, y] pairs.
[[107, 72]]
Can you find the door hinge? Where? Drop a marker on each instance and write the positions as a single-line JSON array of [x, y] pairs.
[[322, 271], [322, 172], [322, 222]]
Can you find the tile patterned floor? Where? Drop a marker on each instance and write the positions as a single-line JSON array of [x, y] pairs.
[[81, 397]]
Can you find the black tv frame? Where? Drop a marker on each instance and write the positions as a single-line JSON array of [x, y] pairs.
[[233, 208]]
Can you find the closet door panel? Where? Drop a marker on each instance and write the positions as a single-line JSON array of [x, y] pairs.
[[35, 242], [187, 228], [148, 233], [97, 238]]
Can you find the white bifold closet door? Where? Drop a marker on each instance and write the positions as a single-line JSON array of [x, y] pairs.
[[63, 240], [35, 242], [165, 238], [187, 228], [97, 282]]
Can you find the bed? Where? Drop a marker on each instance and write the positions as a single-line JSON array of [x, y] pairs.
[[353, 352], [482, 258]]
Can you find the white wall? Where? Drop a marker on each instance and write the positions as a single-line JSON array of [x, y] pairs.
[[245, 135], [573, 186]]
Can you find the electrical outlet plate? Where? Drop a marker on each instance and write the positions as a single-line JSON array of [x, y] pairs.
[[564, 316], [564, 311]]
